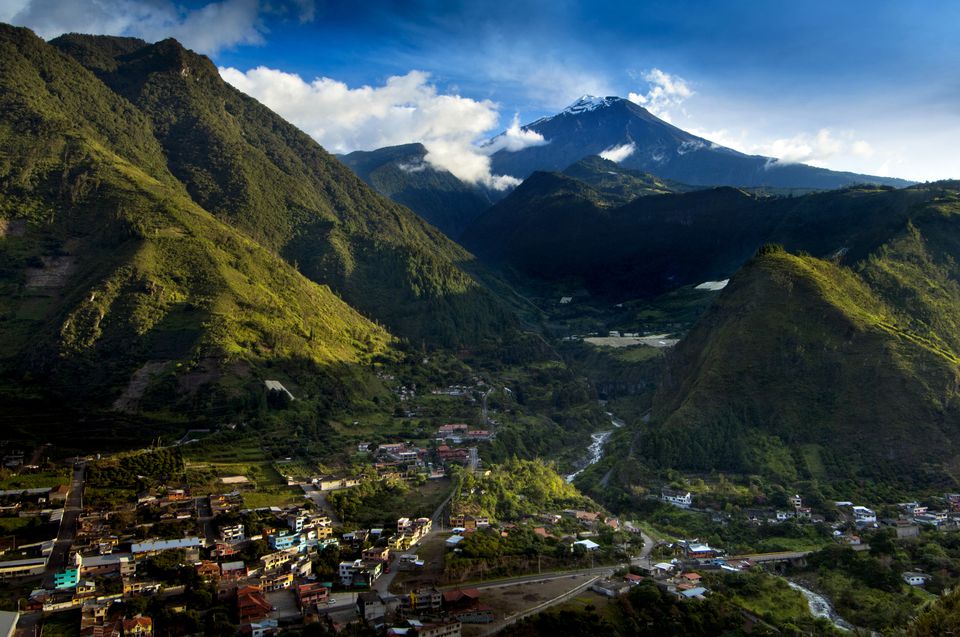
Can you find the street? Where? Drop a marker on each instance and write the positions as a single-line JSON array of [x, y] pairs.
[[68, 525]]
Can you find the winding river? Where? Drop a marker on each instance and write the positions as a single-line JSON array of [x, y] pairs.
[[595, 449], [820, 606]]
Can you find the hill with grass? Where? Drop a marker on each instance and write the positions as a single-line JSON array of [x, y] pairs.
[[403, 174], [843, 368], [254, 171], [117, 289]]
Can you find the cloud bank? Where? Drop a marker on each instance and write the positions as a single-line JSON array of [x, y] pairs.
[[664, 92], [618, 153], [208, 29], [406, 108]]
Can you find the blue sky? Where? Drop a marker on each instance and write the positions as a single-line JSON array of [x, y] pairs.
[[865, 86]]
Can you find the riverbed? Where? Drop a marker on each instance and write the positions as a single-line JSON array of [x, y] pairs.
[[821, 607], [595, 449]]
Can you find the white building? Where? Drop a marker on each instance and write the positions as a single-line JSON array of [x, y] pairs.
[[682, 499]]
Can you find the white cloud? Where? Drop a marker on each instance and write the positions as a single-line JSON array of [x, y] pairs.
[[664, 92], [513, 139], [207, 29], [619, 153], [407, 108]]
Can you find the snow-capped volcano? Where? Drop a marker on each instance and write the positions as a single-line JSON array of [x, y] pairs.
[[594, 125]]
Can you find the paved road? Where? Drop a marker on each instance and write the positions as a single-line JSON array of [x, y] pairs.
[[383, 583], [320, 501], [68, 526], [205, 516]]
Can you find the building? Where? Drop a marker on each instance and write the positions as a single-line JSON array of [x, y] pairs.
[[863, 515], [152, 547], [252, 606], [610, 588], [439, 629], [283, 541], [232, 533], [589, 545], [682, 499], [359, 572], [67, 578], [273, 561], [22, 568], [8, 623], [377, 554], [469, 522], [138, 627], [312, 594], [233, 570], [276, 582], [370, 606], [916, 579], [422, 600]]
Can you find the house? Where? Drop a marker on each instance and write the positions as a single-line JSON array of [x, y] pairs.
[[916, 579], [469, 522], [283, 541], [311, 594], [232, 533], [370, 606], [276, 582], [153, 547], [359, 572], [421, 600], [262, 628], [589, 545], [862, 515], [377, 554], [661, 569], [697, 551], [460, 599], [252, 606], [694, 593], [66, 579], [233, 570], [682, 499], [273, 561], [138, 627], [453, 540], [207, 570], [633, 579], [610, 588]]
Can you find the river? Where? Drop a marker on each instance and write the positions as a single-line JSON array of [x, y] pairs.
[[595, 449], [821, 607]]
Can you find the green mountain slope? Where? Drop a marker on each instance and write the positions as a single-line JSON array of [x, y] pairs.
[[117, 288], [806, 367], [247, 166], [621, 185], [402, 174]]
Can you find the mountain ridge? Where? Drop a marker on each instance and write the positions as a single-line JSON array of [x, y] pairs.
[[660, 148]]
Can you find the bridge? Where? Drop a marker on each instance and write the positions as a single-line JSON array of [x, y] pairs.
[[761, 558]]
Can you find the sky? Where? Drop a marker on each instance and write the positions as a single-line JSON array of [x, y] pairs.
[[867, 86]]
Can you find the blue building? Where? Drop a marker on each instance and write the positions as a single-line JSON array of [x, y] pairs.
[[67, 578], [281, 541]]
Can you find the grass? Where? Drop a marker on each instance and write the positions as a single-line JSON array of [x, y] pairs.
[[273, 498], [65, 624], [35, 480]]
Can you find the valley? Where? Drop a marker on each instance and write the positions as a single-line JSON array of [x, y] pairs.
[[252, 386]]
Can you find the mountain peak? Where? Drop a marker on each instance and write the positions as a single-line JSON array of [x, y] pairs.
[[590, 103]]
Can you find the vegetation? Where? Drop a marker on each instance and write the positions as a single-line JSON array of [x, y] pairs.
[[513, 489]]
